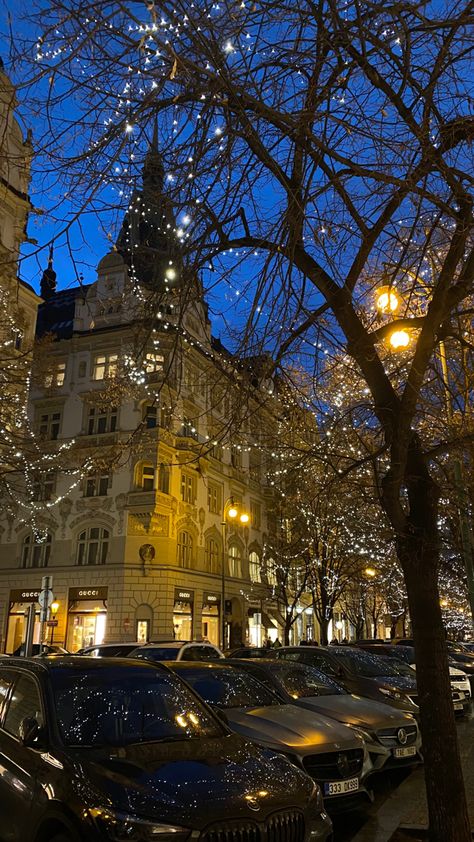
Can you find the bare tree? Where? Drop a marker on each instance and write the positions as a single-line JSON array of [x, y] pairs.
[[310, 144]]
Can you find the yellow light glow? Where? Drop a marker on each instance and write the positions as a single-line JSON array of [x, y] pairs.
[[399, 339], [369, 571], [181, 721], [387, 300], [54, 607], [244, 518], [233, 512], [443, 603]]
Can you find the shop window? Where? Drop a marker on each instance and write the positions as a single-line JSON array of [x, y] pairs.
[[105, 365], [36, 550], [150, 416], [188, 488], [101, 420], [255, 514], [235, 562], [185, 549], [213, 560], [214, 498], [93, 546], [164, 478], [49, 425], [96, 485], [254, 567], [44, 485], [211, 625]]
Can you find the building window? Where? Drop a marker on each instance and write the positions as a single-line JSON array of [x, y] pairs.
[[255, 514], [188, 429], [49, 425], [164, 478], [185, 549], [97, 485], [236, 457], [93, 546], [254, 567], [272, 578], [154, 362], [105, 365], [82, 369], [188, 488], [17, 339], [216, 451], [235, 562], [150, 413], [44, 485], [213, 561], [148, 477], [101, 420], [56, 376], [255, 465], [165, 417], [214, 498], [36, 551]]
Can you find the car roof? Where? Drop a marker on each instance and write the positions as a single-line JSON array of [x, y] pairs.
[[79, 662], [177, 644], [186, 665]]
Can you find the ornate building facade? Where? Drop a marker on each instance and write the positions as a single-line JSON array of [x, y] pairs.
[[157, 431]]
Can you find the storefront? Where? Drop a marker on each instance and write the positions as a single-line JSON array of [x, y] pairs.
[[20, 601], [87, 617], [211, 618], [183, 614]]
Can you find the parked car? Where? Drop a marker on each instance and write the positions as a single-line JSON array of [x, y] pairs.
[[41, 649], [459, 681], [359, 673], [392, 737], [97, 748], [109, 650], [333, 754], [178, 650], [249, 652]]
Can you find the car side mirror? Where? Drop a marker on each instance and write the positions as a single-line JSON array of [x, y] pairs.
[[220, 714], [29, 732]]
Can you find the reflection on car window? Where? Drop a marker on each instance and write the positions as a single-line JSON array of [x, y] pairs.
[[364, 664], [120, 706], [25, 702], [229, 688], [156, 653], [6, 681], [301, 681], [200, 653]]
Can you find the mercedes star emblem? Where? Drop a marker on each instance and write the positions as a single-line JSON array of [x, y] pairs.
[[402, 736]]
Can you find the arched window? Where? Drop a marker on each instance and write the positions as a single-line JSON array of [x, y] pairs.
[[235, 562], [254, 567], [213, 561], [93, 546], [185, 549], [36, 550], [271, 572], [164, 478]]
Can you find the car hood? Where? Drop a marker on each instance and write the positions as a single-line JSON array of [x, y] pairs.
[[400, 682], [353, 710], [175, 782], [290, 729]]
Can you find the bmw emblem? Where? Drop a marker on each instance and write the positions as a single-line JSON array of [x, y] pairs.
[[252, 803], [402, 736]]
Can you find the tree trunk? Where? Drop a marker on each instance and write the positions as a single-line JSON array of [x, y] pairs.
[[323, 630], [418, 552]]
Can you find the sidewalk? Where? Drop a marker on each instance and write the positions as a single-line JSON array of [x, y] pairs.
[[406, 807]]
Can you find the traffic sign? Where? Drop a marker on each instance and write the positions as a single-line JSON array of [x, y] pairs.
[[45, 599]]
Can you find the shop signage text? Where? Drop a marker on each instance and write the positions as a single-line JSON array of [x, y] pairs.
[[24, 596], [211, 598], [183, 596], [87, 593]]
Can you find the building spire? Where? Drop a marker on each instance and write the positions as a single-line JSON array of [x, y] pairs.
[[153, 169], [48, 281]]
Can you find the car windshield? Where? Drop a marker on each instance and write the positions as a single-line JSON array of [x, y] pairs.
[[229, 688], [302, 682], [123, 705], [364, 664], [156, 653]]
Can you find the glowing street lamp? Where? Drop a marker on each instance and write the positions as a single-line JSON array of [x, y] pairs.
[[387, 299], [399, 339], [234, 513], [370, 572]]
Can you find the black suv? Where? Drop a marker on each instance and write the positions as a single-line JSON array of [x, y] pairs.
[[106, 749]]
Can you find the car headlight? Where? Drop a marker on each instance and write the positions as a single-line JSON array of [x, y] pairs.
[[120, 827], [316, 804], [366, 735]]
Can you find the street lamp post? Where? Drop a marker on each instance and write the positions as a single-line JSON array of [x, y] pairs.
[[235, 514]]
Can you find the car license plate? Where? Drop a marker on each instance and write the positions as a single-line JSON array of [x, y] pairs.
[[407, 751], [458, 705], [340, 787]]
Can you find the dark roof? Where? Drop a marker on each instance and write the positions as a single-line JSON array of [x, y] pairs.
[[56, 315], [84, 662], [27, 286]]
